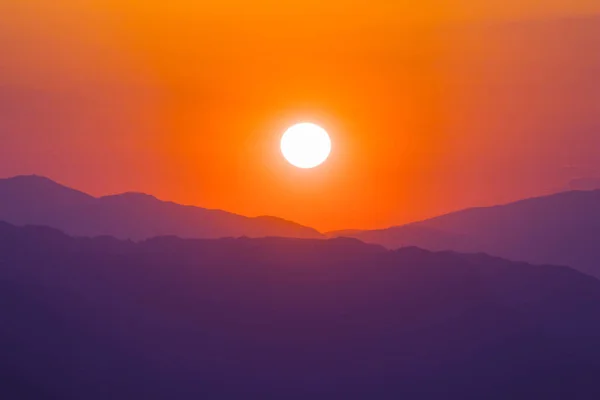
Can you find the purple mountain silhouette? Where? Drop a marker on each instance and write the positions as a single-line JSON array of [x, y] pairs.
[[282, 318], [34, 200], [562, 229]]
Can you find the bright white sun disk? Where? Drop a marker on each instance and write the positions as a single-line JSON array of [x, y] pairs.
[[305, 145]]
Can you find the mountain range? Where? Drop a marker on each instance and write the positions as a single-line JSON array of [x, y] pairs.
[[273, 318], [562, 228], [35, 200]]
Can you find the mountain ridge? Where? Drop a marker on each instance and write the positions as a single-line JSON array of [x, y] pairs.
[[559, 228], [37, 200], [287, 318]]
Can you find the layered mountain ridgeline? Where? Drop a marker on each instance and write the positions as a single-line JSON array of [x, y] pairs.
[[33, 200], [562, 229], [277, 318]]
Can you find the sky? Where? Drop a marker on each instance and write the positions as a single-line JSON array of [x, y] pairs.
[[431, 107]]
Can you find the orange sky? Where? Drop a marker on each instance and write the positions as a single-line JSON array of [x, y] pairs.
[[431, 108]]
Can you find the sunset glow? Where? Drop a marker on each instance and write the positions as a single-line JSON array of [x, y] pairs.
[[300, 199], [432, 107]]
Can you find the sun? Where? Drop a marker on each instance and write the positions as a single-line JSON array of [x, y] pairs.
[[305, 145]]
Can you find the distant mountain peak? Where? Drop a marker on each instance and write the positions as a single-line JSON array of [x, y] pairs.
[[31, 179], [131, 196], [39, 188]]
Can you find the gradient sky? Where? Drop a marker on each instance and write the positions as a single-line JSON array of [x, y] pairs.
[[431, 108]]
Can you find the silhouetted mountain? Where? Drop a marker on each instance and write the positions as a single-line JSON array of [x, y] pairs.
[[39, 201], [562, 229], [277, 318]]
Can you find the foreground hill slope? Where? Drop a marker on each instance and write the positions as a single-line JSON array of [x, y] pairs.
[[39, 201], [280, 318], [563, 229]]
